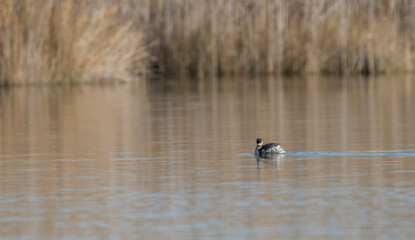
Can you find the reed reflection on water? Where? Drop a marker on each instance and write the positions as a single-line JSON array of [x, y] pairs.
[[172, 159]]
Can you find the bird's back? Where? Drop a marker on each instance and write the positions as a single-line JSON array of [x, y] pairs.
[[272, 148]]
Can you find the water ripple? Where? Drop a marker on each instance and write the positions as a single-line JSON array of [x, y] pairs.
[[405, 152]]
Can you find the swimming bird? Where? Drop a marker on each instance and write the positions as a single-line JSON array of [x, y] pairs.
[[268, 149]]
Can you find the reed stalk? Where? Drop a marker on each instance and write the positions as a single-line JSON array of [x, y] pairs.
[[49, 41], [283, 36]]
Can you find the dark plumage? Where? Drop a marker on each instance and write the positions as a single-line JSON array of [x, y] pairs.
[[270, 148]]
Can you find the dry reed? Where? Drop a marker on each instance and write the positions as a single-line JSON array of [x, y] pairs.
[[282, 36], [48, 41], [57, 41]]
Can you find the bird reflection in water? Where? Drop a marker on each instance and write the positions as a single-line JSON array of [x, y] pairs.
[[269, 158]]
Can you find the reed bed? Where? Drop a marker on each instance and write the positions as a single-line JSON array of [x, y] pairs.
[[77, 41], [283, 36], [48, 41]]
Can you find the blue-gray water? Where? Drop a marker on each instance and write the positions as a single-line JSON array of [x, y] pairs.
[[173, 160]]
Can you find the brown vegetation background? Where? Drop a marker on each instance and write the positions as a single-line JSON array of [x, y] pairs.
[[58, 41]]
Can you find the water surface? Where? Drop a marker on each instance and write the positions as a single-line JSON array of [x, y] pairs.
[[173, 160]]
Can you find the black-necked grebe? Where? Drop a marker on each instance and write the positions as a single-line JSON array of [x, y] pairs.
[[269, 148]]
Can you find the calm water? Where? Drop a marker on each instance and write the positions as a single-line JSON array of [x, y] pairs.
[[172, 160]]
